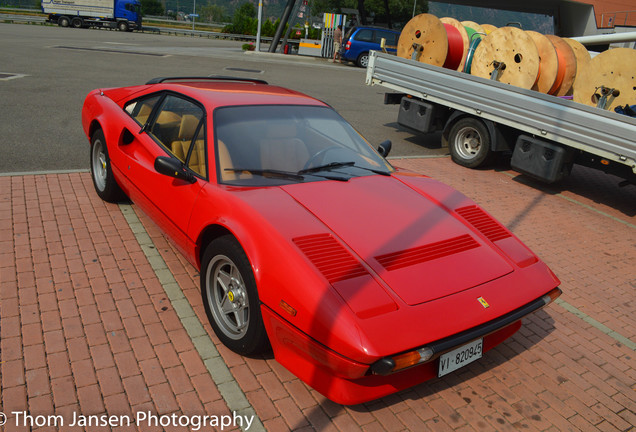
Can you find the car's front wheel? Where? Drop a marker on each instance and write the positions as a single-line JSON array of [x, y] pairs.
[[230, 297], [105, 184]]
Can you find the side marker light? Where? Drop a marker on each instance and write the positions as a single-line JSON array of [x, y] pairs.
[[287, 308]]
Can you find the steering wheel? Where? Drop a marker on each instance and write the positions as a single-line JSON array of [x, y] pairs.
[[321, 154]]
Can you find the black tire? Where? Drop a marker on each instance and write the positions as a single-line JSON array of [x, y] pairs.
[[105, 184], [63, 21], [122, 26], [77, 22], [469, 142], [230, 297], [363, 60]]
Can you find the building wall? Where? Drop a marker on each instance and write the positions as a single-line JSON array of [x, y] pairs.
[[606, 9]]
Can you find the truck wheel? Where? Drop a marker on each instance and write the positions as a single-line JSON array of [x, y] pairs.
[[77, 22], [363, 60], [63, 21], [469, 142], [122, 26]]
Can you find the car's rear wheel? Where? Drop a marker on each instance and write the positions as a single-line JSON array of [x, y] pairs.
[[77, 22], [363, 60], [230, 297], [63, 21], [105, 184]]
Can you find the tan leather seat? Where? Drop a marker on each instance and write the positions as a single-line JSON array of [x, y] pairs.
[[282, 150], [144, 113], [168, 119], [181, 146], [226, 162], [197, 158]]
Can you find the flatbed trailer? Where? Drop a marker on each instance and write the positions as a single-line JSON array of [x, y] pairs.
[[479, 117]]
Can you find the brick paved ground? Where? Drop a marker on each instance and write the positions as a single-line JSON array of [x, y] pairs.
[[87, 327]]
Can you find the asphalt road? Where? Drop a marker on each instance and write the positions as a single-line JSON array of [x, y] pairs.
[[40, 112]]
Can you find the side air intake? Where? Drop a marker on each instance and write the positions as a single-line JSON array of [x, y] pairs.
[[330, 257], [483, 223]]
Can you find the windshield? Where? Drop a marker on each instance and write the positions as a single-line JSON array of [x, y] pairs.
[[273, 145]]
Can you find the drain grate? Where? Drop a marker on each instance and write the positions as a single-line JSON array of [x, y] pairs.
[[235, 69]]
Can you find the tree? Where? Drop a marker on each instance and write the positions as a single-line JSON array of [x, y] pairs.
[[244, 20], [212, 13], [151, 7], [393, 13]]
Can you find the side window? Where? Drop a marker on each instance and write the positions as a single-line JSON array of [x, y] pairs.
[[364, 35], [196, 161], [178, 126], [391, 38], [141, 108]]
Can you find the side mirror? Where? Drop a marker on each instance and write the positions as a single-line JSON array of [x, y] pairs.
[[172, 167], [385, 148]]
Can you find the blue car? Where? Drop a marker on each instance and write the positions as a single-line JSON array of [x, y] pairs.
[[359, 40]]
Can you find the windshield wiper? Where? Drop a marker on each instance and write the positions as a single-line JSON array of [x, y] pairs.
[[334, 165], [373, 170], [269, 173], [326, 167]]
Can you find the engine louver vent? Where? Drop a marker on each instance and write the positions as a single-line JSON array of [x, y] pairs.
[[483, 223], [330, 257], [429, 252]]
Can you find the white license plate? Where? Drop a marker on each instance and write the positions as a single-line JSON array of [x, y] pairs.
[[453, 360]]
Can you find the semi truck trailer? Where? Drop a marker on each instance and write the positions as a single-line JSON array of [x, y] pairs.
[[125, 15]]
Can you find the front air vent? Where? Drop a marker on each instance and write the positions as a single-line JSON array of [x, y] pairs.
[[330, 257], [429, 252], [483, 223]]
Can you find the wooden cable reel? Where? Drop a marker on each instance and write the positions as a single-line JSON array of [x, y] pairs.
[[488, 28], [510, 55], [548, 62], [465, 39], [609, 78], [424, 39], [566, 71], [582, 58], [476, 27]]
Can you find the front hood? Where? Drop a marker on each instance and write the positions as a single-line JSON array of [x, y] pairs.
[[414, 243]]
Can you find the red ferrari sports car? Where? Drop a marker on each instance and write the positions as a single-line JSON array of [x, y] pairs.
[[363, 279]]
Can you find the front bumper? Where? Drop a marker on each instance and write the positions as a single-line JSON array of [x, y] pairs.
[[348, 382]]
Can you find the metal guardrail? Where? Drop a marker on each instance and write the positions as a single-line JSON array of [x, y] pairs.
[[8, 18], [158, 18], [30, 19]]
